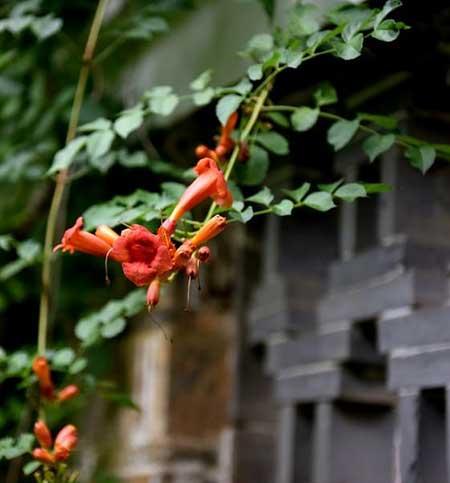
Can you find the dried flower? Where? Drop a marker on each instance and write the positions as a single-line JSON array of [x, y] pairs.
[[203, 254]]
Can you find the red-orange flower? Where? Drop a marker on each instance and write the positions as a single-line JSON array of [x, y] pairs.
[[209, 183], [153, 293], [65, 442], [75, 239], [144, 256], [42, 370]]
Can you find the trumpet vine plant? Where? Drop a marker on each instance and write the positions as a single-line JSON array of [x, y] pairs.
[[154, 236]]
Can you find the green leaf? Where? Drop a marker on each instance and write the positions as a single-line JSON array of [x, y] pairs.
[[128, 122], [78, 366], [372, 188], [259, 45], [99, 143], [320, 200], [100, 124], [255, 72], [283, 208], [304, 20], [387, 31], [298, 194], [293, 57], [263, 197], [104, 213], [350, 192], [163, 105], [202, 98], [242, 216], [331, 187], [377, 144], [65, 156], [10, 448], [278, 118], [113, 328], [45, 27], [387, 122], [87, 328], [135, 160], [304, 118], [254, 170], [202, 81], [226, 106], [350, 30], [350, 50], [421, 157], [325, 94], [6, 242], [341, 133], [31, 467], [273, 142], [388, 7], [63, 358], [243, 87]]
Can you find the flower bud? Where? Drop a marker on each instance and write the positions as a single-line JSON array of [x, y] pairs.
[[221, 151], [65, 441], [209, 230], [203, 254], [43, 455], [42, 370], [184, 253], [68, 392], [43, 434], [192, 267], [153, 293], [202, 151]]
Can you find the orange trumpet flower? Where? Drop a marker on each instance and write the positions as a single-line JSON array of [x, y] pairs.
[[209, 183]]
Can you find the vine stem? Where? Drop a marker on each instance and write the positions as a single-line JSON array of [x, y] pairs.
[[260, 100], [62, 178]]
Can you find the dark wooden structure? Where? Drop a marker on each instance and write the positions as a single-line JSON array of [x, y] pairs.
[[356, 337]]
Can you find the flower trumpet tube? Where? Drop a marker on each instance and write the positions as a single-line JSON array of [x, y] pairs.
[[210, 183], [43, 434], [75, 239], [42, 371], [106, 234], [209, 230]]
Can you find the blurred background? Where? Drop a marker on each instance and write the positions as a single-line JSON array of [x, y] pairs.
[[318, 348]]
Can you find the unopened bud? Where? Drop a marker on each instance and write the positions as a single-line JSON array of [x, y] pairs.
[[221, 151], [65, 442], [42, 371], [107, 234], [203, 254], [43, 434], [192, 268], [68, 392], [201, 151], [153, 293]]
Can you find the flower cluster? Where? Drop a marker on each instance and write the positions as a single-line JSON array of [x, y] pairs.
[[147, 259], [46, 387], [53, 452]]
